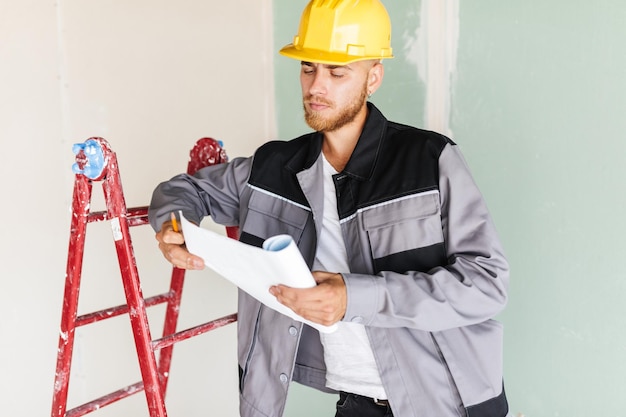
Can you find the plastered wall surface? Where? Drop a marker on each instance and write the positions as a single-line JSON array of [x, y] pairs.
[[151, 78]]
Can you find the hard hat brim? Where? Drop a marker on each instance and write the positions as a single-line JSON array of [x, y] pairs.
[[324, 57]]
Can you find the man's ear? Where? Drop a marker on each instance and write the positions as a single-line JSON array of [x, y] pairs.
[[375, 77]]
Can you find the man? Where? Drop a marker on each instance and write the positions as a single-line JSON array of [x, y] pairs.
[[401, 245]]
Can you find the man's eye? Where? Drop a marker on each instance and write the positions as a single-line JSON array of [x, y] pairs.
[[337, 74]]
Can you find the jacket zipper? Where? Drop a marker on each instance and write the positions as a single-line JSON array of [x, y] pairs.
[[250, 351]]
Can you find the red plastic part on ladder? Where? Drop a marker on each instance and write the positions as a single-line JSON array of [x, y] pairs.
[[95, 161]]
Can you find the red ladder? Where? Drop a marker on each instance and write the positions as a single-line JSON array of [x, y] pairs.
[[95, 161]]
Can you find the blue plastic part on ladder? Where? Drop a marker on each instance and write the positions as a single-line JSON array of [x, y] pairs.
[[94, 163]]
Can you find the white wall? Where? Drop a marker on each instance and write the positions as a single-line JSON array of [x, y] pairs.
[[151, 77]]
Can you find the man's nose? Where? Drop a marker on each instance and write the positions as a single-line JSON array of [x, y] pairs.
[[318, 84]]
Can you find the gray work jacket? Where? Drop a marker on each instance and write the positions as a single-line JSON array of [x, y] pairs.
[[427, 270]]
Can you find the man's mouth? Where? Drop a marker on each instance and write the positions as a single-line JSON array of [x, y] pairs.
[[317, 105]]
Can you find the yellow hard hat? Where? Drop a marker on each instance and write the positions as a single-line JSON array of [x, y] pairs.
[[338, 32]]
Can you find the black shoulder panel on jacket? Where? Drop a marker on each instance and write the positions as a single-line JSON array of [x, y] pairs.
[[407, 163], [271, 166]]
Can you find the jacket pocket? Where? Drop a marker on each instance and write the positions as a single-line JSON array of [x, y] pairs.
[[270, 215], [473, 355], [406, 233]]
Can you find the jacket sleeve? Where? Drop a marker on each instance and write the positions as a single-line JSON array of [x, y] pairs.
[[470, 288], [212, 191]]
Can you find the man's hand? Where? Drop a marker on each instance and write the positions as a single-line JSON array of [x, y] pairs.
[[172, 243], [324, 304]]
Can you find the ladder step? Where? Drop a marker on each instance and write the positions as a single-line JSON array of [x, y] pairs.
[[105, 400], [136, 216], [193, 331], [107, 313]]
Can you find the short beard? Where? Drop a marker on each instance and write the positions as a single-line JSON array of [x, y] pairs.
[[347, 115]]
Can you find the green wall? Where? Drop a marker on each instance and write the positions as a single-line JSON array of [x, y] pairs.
[[539, 110], [539, 105]]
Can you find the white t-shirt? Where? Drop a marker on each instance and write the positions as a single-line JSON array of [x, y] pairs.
[[350, 362]]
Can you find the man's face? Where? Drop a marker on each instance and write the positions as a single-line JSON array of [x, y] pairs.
[[333, 95]]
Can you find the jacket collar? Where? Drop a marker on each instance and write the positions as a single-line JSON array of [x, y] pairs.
[[363, 158]]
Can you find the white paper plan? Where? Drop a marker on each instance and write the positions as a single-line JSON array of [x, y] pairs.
[[253, 269]]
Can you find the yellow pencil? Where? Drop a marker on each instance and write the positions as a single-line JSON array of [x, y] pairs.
[[174, 223]]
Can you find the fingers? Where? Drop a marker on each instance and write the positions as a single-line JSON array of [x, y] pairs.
[[178, 256], [324, 303], [168, 235], [171, 244]]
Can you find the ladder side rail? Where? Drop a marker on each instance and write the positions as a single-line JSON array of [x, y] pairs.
[[116, 206], [172, 312], [80, 210]]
